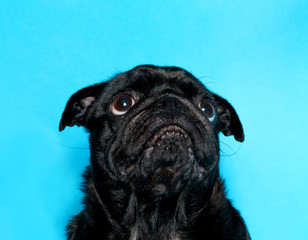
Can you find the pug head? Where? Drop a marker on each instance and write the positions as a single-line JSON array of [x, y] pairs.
[[154, 128]]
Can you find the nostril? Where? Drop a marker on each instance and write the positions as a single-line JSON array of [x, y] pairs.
[[168, 102], [164, 102]]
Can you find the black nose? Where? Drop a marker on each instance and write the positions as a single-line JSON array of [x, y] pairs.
[[168, 103]]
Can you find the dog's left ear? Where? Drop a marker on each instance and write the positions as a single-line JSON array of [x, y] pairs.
[[77, 106], [229, 122]]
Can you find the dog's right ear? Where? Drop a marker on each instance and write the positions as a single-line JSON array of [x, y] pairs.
[[78, 105], [230, 123]]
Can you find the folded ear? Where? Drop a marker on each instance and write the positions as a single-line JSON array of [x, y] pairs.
[[78, 105], [229, 122]]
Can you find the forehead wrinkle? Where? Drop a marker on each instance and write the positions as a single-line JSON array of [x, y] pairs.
[[178, 82]]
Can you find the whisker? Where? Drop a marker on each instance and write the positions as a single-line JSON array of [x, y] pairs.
[[224, 154], [207, 82], [77, 148]]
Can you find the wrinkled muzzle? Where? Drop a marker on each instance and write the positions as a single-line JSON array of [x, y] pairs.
[[163, 150]]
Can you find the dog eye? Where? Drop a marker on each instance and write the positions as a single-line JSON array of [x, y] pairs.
[[121, 104], [208, 109]]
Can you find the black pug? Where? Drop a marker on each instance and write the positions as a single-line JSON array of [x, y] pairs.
[[154, 158]]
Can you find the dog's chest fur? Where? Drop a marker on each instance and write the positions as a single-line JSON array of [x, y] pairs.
[[135, 236], [139, 224]]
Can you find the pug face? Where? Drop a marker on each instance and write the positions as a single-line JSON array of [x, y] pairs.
[[153, 128]]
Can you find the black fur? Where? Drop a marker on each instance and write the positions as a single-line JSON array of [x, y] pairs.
[[154, 169]]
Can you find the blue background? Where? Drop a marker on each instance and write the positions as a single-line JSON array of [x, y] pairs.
[[254, 53]]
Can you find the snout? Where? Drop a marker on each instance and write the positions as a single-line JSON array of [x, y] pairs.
[[168, 159], [166, 144], [171, 145]]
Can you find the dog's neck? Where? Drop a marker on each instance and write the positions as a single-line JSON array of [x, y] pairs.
[[137, 214]]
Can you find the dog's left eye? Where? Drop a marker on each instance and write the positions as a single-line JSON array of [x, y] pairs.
[[121, 104], [208, 109]]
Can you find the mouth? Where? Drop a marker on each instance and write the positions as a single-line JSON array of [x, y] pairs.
[[168, 154], [167, 140], [168, 147]]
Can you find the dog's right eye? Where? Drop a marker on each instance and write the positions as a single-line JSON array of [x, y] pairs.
[[121, 104], [208, 109]]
